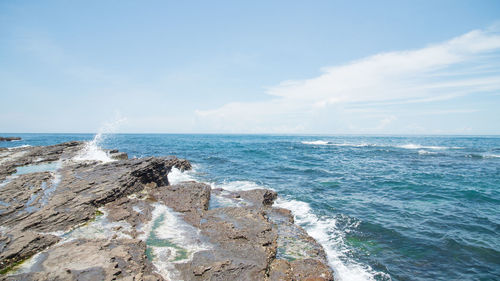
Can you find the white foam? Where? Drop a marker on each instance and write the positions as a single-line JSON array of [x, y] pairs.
[[100, 228], [491, 156], [92, 150], [21, 146], [176, 176], [238, 185], [176, 231], [324, 230], [418, 146], [425, 152], [318, 142]]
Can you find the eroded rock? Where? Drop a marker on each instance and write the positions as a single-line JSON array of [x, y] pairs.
[[87, 220]]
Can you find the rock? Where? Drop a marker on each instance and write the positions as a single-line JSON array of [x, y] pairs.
[[189, 198], [74, 197], [84, 259], [259, 197], [310, 270], [116, 155], [280, 271], [244, 246], [10, 138], [106, 212]]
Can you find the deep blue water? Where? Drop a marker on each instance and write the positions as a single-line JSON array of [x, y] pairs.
[[400, 208]]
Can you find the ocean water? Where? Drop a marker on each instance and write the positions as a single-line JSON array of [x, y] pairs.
[[384, 208]]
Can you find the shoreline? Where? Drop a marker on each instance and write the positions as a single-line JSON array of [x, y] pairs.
[[217, 233]]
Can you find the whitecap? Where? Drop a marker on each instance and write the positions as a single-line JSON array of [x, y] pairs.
[[418, 146], [318, 142], [491, 156], [425, 152]]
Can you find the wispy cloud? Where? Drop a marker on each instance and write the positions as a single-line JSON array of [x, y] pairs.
[[459, 67]]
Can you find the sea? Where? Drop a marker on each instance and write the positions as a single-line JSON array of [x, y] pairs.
[[383, 207]]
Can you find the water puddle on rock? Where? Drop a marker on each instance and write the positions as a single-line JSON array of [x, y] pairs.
[[45, 167], [36, 168], [170, 240], [293, 242], [99, 228]]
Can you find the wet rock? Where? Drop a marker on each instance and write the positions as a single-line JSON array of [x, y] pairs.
[[259, 197], [84, 259], [109, 213], [17, 246], [10, 138], [80, 189], [244, 246], [311, 270], [189, 198], [117, 155]]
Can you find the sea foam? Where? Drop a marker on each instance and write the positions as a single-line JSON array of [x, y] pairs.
[[324, 230]]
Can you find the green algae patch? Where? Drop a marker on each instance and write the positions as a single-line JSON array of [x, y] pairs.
[[13, 266]]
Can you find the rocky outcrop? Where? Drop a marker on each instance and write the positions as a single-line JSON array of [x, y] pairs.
[[86, 220], [10, 138]]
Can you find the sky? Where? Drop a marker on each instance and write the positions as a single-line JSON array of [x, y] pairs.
[[273, 67]]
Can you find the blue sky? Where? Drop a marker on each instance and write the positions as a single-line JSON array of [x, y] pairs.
[[300, 67]]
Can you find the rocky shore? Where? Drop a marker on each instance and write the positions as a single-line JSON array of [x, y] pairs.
[[63, 219]]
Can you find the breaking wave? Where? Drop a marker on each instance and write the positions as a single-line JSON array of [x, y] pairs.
[[418, 146], [324, 230], [92, 150], [405, 146]]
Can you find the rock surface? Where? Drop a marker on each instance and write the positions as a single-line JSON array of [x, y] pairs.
[[10, 138], [64, 219]]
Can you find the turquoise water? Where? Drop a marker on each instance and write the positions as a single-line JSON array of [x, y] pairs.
[[385, 208]]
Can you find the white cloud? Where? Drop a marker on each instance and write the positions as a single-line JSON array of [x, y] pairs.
[[417, 76]]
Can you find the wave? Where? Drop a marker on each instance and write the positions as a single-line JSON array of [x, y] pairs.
[[321, 142], [92, 150], [418, 146], [482, 156], [21, 146], [491, 156], [405, 146], [425, 152], [324, 230], [176, 176], [238, 185]]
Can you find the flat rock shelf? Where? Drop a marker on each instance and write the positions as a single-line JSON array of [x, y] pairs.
[[67, 219]]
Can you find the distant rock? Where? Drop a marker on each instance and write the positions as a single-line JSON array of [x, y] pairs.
[[10, 138]]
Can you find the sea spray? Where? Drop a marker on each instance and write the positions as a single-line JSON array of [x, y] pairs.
[[92, 150]]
